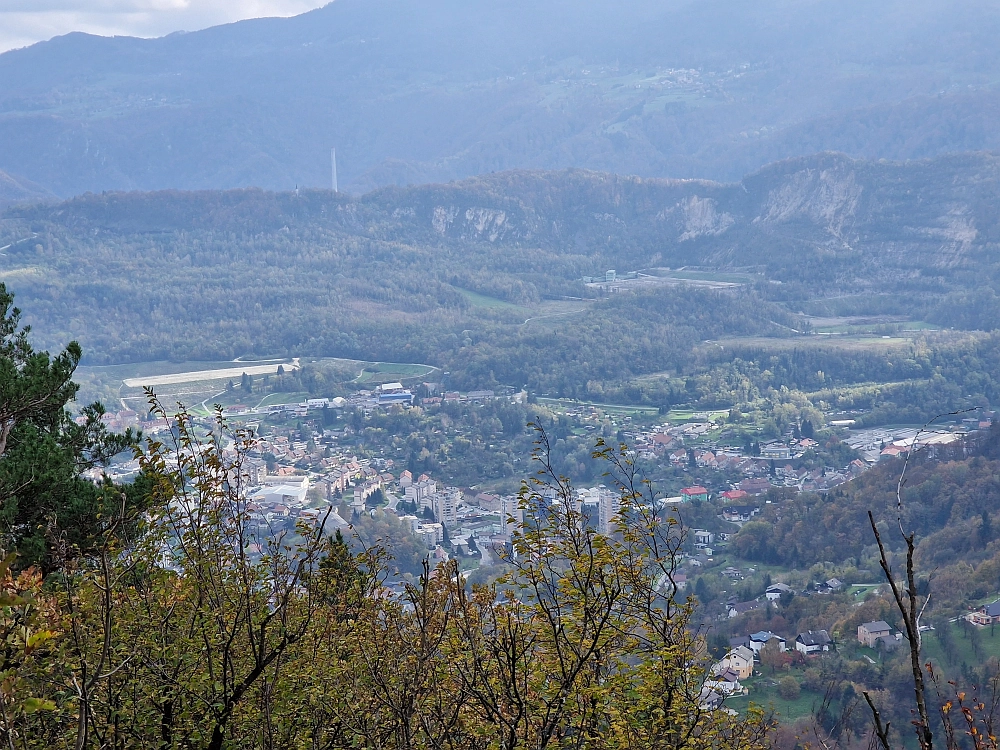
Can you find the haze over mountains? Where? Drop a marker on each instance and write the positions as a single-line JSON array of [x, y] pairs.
[[414, 92]]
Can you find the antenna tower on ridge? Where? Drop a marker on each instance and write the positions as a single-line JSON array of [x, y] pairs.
[[333, 167]]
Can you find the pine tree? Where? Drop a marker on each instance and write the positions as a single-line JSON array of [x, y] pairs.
[[43, 451]]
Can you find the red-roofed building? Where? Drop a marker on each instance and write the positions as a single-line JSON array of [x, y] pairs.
[[734, 495], [694, 493], [662, 441]]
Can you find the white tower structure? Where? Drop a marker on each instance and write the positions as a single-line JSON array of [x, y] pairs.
[[333, 168]]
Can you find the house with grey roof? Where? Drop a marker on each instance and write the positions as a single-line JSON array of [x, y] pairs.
[[870, 632], [813, 641]]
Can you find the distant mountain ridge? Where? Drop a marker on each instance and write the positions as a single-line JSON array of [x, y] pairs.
[[860, 225], [14, 190], [418, 91]]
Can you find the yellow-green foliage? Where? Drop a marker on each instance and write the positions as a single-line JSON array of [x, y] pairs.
[[182, 636]]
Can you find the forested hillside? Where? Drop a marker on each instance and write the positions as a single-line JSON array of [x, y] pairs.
[[197, 275], [484, 279], [950, 503], [14, 191], [828, 222], [412, 92]]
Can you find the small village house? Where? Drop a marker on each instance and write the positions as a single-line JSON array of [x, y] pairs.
[[870, 632], [739, 660], [985, 615], [813, 641]]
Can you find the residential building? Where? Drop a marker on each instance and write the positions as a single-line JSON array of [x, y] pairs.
[[431, 533], [488, 501], [986, 614], [420, 492], [511, 516], [726, 682], [609, 506], [870, 632], [775, 590], [776, 451], [755, 486], [739, 660], [710, 700], [702, 537], [662, 441], [739, 513], [445, 504], [706, 459], [888, 642], [734, 496], [735, 610], [893, 451], [760, 639], [813, 641], [411, 522], [695, 493], [367, 488]]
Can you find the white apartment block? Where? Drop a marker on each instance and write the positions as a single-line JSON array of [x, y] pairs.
[[609, 508], [445, 504], [511, 516]]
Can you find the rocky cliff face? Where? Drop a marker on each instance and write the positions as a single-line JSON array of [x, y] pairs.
[[825, 220], [867, 223]]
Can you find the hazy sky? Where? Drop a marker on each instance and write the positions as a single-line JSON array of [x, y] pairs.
[[24, 22]]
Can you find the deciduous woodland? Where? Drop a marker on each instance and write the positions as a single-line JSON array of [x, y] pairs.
[[179, 627]]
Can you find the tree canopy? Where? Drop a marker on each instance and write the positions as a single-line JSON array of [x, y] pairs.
[[48, 511]]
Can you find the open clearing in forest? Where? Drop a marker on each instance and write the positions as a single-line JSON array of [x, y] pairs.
[[199, 376], [375, 373], [482, 300], [847, 343]]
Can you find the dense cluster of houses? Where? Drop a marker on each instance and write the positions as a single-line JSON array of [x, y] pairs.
[[763, 470], [745, 653]]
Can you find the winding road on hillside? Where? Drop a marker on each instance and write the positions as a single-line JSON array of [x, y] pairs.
[[17, 242]]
